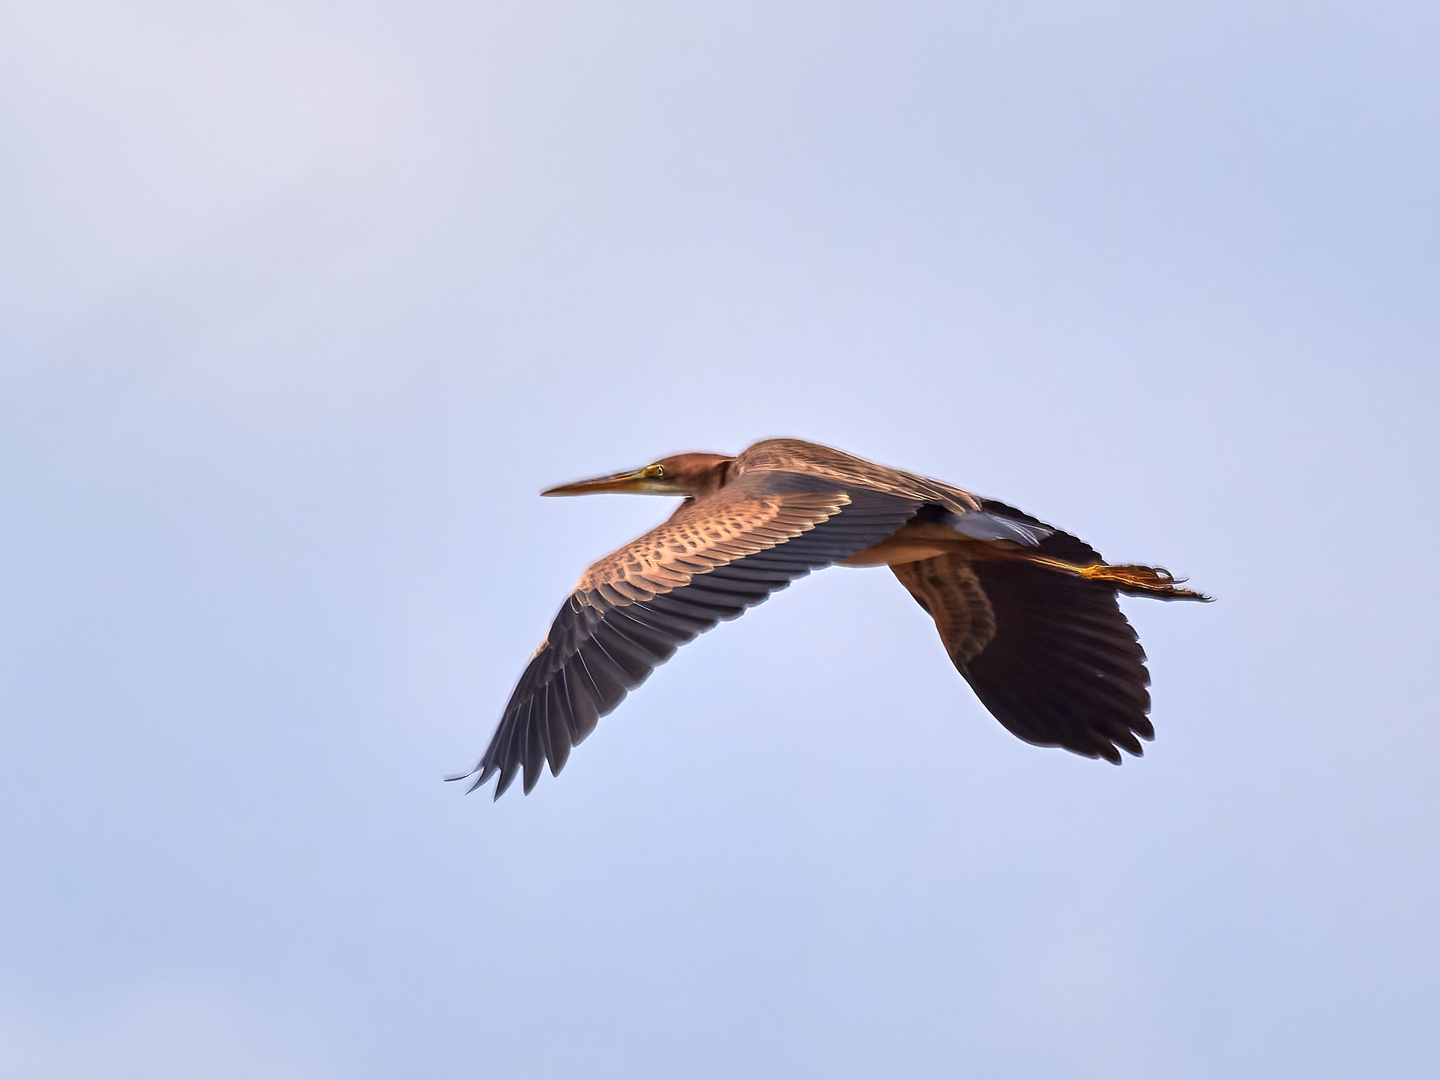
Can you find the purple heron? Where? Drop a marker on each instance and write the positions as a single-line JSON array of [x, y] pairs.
[[1027, 613]]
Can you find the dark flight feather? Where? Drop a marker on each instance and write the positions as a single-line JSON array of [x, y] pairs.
[[1054, 659]]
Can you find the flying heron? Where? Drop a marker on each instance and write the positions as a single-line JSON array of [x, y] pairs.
[[1027, 613]]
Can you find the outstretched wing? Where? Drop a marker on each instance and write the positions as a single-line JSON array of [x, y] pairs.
[[1051, 656], [713, 559]]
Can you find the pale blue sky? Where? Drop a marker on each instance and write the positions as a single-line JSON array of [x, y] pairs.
[[300, 305]]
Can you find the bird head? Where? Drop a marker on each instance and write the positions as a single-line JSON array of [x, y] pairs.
[[683, 474]]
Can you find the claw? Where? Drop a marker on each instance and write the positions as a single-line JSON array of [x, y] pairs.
[[1143, 580]]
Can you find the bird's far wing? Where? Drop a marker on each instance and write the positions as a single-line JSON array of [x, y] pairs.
[[1050, 656], [713, 559], [813, 459]]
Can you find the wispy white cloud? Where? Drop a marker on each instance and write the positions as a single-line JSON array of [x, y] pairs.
[[146, 134]]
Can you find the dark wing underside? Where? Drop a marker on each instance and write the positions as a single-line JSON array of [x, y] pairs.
[[1051, 656], [713, 559]]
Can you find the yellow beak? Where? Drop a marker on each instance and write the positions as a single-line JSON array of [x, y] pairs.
[[625, 481]]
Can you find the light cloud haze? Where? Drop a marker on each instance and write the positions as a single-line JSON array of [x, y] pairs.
[[302, 303]]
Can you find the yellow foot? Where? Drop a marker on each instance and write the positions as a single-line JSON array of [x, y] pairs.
[[1141, 581]]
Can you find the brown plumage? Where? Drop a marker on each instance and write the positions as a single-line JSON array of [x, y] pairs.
[[1027, 613]]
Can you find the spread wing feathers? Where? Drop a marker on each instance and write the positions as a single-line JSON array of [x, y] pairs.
[[713, 559], [1051, 656]]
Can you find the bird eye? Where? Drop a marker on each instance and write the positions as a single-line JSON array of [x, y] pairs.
[[657, 471]]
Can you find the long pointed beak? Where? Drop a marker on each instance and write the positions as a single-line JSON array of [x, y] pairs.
[[625, 481]]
